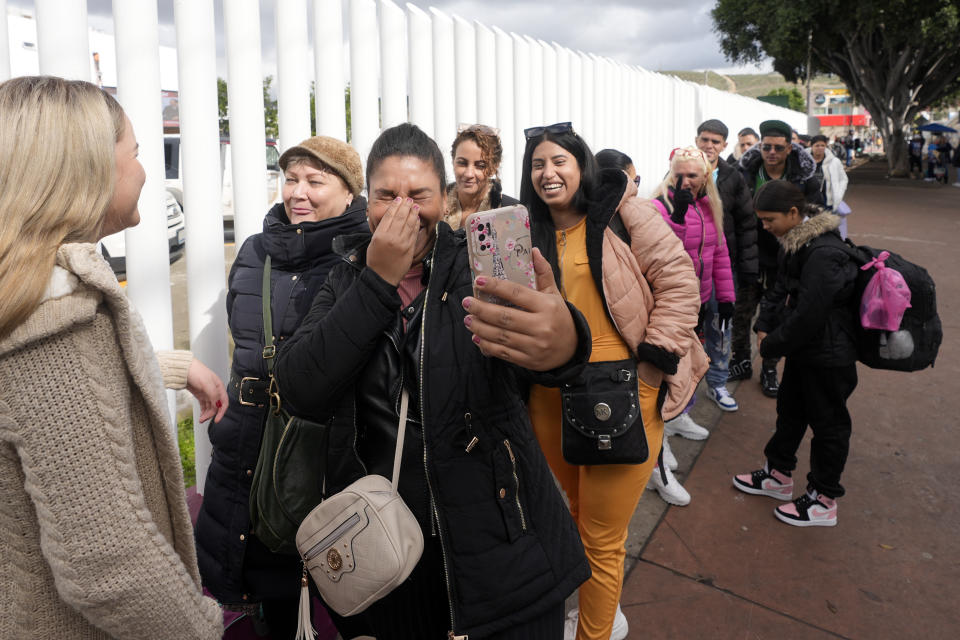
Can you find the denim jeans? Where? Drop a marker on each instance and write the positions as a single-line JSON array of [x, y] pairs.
[[717, 344]]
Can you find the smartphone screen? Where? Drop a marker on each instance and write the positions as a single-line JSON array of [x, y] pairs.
[[499, 245]]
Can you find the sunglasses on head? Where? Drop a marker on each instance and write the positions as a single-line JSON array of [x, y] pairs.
[[773, 147], [478, 128], [560, 127]]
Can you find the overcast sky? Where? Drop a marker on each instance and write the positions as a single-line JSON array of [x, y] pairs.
[[647, 33]]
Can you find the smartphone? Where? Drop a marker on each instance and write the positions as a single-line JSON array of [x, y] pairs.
[[499, 245]]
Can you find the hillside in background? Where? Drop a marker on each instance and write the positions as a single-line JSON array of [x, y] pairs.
[[755, 84]]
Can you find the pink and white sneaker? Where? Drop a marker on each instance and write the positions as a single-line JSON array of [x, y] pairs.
[[809, 510], [762, 482]]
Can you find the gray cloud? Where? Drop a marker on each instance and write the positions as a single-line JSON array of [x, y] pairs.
[[645, 33]]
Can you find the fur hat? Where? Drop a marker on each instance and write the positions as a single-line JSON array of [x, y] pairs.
[[333, 153]]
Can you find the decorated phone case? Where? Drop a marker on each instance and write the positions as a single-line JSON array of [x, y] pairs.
[[499, 245]]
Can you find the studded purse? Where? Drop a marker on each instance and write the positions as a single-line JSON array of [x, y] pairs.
[[601, 416]]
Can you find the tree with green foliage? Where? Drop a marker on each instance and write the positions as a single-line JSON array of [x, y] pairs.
[[269, 109], [795, 100], [896, 57]]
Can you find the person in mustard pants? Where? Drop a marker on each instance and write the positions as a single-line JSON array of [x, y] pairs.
[[618, 262]]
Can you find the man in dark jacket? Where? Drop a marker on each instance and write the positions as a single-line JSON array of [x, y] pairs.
[[808, 318], [774, 158], [740, 233]]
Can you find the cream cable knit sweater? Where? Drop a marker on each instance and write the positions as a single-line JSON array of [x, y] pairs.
[[95, 538]]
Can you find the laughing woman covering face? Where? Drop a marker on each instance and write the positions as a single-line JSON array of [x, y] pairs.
[[501, 553]]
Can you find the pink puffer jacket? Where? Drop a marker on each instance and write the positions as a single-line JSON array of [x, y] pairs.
[[651, 297], [711, 260]]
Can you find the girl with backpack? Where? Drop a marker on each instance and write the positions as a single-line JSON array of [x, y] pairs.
[[808, 318]]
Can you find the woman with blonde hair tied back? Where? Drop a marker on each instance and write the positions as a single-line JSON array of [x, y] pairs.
[[689, 202], [476, 153], [95, 537]]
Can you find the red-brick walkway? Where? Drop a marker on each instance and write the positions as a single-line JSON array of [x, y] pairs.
[[724, 567]]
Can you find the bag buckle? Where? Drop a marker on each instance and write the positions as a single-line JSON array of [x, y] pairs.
[[247, 403], [269, 351], [621, 375], [604, 443]]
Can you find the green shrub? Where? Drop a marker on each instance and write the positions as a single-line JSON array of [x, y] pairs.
[[187, 457]]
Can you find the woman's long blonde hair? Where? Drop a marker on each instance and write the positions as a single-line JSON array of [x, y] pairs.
[[57, 166], [694, 155]]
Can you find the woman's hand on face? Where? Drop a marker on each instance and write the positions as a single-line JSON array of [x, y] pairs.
[[209, 391], [394, 240], [538, 335]]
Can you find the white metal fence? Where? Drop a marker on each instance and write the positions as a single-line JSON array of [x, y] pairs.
[[433, 69]]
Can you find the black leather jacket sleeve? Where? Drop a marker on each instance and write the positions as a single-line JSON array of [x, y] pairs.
[[338, 335]]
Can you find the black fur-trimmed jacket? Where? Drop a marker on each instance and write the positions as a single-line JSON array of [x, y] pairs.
[[809, 313], [801, 170], [511, 550]]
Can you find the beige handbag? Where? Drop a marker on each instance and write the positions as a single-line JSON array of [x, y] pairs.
[[363, 542]]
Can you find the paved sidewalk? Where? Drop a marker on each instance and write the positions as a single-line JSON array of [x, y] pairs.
[[724, 567]]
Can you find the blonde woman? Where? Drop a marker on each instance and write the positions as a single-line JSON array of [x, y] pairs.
[[95, 538], [690, 203]]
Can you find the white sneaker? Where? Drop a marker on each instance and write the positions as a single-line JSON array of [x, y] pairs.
[[671, 491], [722, 398], [684, 426], [668, 458], [619, 631]]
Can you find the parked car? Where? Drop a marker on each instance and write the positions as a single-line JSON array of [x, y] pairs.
[[273, 175], [113, 247]]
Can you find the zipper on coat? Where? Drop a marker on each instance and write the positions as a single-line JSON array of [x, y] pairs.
[[516, 483], [423, 426], [468, 420], [703, 240], [563, 252]]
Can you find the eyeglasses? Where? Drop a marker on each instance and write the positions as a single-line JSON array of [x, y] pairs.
[[779, 148], [691, 153], [478, 128], [560, 127], [636, 181]]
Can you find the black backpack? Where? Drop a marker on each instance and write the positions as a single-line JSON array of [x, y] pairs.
[[915, 345]]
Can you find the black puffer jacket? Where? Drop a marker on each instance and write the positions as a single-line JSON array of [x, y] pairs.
[[739, 222], [809, 314], [234, 568], [510, 548], [801, 170]]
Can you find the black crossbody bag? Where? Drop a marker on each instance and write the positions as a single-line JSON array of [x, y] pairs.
[[601, 416]]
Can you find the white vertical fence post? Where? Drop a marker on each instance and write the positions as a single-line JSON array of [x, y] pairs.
[[536, 82], [200, 168], [138, 82], [138, 89], [393, 65], [521, 100], [505, 115], [329, 85], [4, 43], [293, 82], [576, 90], [589, 131], [241, 19], [63, 40], [549, 72], [563, 83], [465, 73], [364, 99], [486, 75], [444, 109], [420, 44]]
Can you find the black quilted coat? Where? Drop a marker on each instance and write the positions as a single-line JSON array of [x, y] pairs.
[[236, 568], [511, 551]]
